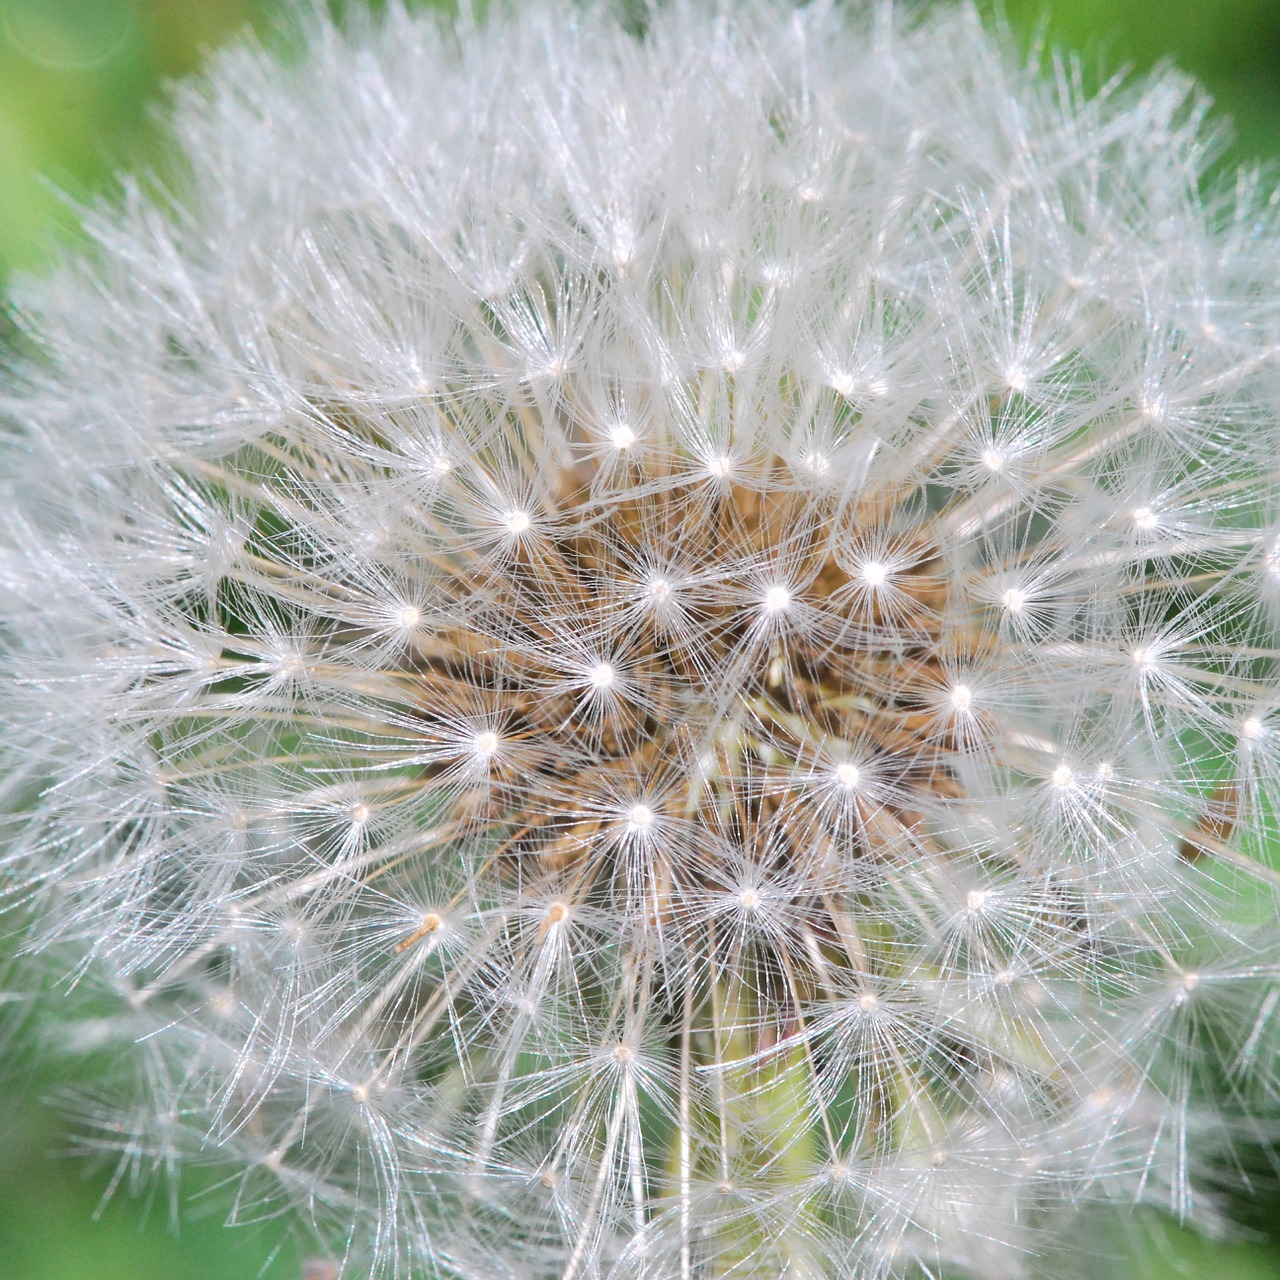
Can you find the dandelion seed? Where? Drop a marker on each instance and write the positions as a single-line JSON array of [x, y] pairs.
[[640, 816], [848, 775], [602, 676], [777, 599]]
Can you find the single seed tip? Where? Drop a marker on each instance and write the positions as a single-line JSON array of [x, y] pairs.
[[848, 775], [777, 599], [640, 816], [602, 675]]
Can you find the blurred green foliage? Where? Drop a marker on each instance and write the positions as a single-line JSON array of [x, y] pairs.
[[77, 81]]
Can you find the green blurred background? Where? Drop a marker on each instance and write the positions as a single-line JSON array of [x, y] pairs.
[[77, 78]]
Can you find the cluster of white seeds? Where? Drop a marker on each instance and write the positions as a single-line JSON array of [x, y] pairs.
[[657, 657]]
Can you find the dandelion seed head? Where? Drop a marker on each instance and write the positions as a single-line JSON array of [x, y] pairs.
[[663, 668]]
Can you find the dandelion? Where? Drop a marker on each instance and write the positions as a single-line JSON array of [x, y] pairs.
[[656, 656]]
